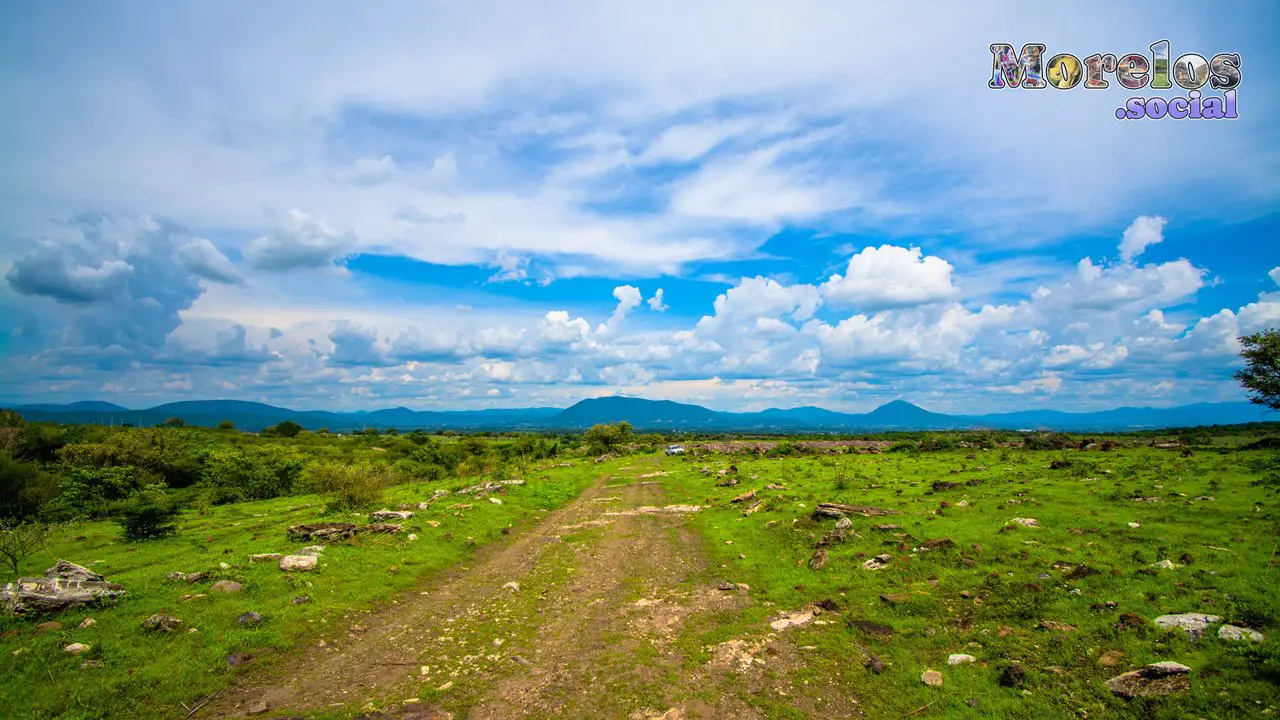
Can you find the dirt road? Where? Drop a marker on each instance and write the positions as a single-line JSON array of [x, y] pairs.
[[581, 616]]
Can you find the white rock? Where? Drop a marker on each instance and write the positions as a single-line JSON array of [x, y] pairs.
[[1193, 624], [87, 623], [960, 659], [76, 648], [495, 501], [1165, 564], [795, 619], [311, 550], [1233, 632], [1025, 522], [298, 562], [412, 536], [513, 586], [1134, 525]]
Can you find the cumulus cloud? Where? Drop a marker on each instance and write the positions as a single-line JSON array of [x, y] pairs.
[[1145, 231], [304, 242], [890, 276], [51, 272], [203, 259], [373, 171], [354, 345], [629, 298]]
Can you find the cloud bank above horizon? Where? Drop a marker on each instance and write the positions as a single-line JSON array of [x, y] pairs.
[[484, 205]]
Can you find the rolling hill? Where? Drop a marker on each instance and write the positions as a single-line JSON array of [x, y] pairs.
[[653, 415]]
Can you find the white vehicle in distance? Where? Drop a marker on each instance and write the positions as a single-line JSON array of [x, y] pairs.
[[675, 450]]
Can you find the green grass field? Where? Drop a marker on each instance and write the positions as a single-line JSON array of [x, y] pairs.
[[152, 675], [987, 595]]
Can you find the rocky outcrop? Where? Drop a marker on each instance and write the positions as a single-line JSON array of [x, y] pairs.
[[65, 585], [328, 531], [1155, 680]]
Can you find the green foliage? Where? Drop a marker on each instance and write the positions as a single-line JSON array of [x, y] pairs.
[[351, 487], [1261, 374], [148, 515], [603, 438], [933, 442], [24, 488], [1046, 441], [233, 474], [174, 422], [92, 491], [226, 425], [286, 429]]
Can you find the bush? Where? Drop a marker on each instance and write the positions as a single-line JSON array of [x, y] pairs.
[[24, 488], [352, 487], [148, 515], [286, 429], [226, 425], [253, 474], [936, 441]]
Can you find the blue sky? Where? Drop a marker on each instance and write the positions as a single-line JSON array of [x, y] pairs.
[[740, 204]]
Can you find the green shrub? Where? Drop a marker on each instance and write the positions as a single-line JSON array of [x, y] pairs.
[[148, 515], [352, 487], [24, 488]]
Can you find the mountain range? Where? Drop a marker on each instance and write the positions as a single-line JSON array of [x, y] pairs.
[[650, 415]]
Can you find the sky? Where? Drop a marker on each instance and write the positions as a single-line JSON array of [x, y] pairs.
[[738, 204]]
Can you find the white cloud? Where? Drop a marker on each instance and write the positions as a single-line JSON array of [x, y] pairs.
[[1145, 231], [890, 276], [302, 243], [655, 302]]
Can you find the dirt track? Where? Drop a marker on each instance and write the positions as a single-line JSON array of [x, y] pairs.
[[590, 632]]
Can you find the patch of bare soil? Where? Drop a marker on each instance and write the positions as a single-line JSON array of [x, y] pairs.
[[526, 633]]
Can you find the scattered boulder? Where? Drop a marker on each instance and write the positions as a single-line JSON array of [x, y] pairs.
[[941, 486], [87, 623], [227, 586], [755, 506], [932, 678], [875, 664], [250, 618], [311, 550], [960, 659], [937, 544], [65, 585], [513, 586], [744, 497], [161, 623], [1165, 564], [839, 510], [1193, 624], [76, 648], [872, 629], [327, 531], [1234, 632], [1025, 522], [1154, 680], [1080, 572], [1013, 675], [1111, 658], [886, 528], [265, 557], [819, 559], [301, 600], [382, 516], [878, 562], [844, 523], [1055, 626], [298, 562]]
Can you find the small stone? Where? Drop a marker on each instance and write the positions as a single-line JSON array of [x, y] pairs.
[[250, 618], [224, 566], [161, 623], [960, 659], [237, 659], [1134, 525], [495, 501], [412, 537], [264, 557], [298, 562], [257, 709], [1056, 626], [1025, 522], [445, 686], [875, 664], [513, 586], [87, 623], [226, 586], [1111, 658], [75, 648], [932, 678], [311, 550], [1014, 676], [301, 600], [844, 523], [1165, 565], [50, 626], [819, 559], [873, 629]]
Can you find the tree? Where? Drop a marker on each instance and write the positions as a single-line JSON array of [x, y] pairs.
[[226, 425], [286, 429], [174, 422], [1261, 374], [148, 515], [607, 437], [21, 540]]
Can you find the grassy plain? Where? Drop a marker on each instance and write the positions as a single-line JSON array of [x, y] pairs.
[[159, 675], [987, 596]]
